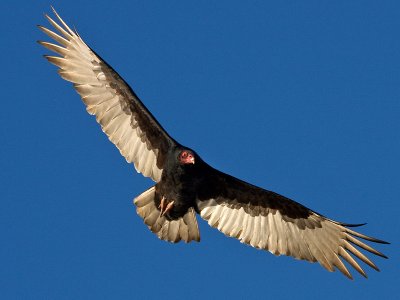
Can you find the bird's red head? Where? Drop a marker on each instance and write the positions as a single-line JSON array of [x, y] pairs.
[[186, 157]]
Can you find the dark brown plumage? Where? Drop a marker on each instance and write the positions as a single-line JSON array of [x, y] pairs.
[[186, 185]]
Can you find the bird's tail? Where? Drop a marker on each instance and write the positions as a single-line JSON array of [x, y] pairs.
[[184, 228]]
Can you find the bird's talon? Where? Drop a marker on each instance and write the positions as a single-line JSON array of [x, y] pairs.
[[162, 203], [167, 209]]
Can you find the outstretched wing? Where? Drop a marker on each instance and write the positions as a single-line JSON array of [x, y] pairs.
[[122, 116], [269, 221]]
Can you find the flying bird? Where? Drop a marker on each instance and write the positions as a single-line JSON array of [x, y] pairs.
[[185, 185]]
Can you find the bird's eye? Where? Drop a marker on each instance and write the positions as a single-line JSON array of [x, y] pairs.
[[184, 154]]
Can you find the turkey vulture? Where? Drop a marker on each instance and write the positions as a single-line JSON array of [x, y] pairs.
[[186, 185]]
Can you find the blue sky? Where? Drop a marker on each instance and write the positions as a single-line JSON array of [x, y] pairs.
[[299, 98]]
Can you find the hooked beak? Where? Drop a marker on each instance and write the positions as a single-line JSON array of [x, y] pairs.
[[190, 160]]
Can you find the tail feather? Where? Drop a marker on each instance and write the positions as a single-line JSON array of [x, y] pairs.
[[185, 228]]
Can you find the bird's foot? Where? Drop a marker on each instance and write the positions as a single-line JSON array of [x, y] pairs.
[[165, 207]]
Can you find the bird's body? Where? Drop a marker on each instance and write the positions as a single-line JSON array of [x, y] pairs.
[[178, 183], [186, 185]]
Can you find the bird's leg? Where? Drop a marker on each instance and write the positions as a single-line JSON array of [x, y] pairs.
[[168, 208], [162, 204], [165, 208]]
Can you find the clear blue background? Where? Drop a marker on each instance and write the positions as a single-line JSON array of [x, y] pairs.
[[299, 98]]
